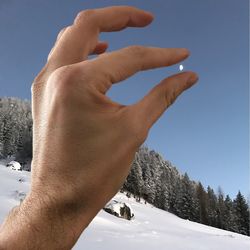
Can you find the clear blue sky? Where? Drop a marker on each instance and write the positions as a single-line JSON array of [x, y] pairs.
[[206, 132]]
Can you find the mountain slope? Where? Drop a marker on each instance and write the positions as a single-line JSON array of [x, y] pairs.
[[152, 228]]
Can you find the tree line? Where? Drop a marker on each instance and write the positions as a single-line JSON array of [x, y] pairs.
[[151, 177], [158, 182], [15, 129]]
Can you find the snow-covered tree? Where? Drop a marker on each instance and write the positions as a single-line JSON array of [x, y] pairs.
[[134, 182], [15, 128], [185, 203]]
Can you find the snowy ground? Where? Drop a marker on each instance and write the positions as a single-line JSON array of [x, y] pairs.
[[152, 228]]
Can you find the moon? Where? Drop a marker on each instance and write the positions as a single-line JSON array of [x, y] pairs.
[[181, 67]]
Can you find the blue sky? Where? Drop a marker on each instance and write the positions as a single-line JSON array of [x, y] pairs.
[[205, 132]]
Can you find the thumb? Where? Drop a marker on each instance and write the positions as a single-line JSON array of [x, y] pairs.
[[153, 105]]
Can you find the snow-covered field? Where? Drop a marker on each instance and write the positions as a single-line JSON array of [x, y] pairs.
[[152, 228]]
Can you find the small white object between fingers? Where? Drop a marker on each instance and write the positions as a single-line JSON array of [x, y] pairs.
[[181, 67]]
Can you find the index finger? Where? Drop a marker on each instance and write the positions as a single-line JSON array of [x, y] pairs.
[[80, 39]]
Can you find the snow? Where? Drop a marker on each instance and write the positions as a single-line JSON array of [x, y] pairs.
[[14, 165], [151, 228], [13, 186]]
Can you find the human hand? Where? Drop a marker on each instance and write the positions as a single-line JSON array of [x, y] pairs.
[[83, 142]]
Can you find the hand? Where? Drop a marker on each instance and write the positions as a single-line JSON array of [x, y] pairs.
[[83, 142]]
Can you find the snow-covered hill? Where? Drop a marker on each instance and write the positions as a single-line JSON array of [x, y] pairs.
[[152, 228]]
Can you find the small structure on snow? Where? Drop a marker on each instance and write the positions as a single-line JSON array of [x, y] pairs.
[[119, 209], [14, 165]]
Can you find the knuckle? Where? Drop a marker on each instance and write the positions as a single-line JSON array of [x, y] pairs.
[[62, 31], [137, 50], [60, 80], [61, 75], [67, 81], [84, 16]]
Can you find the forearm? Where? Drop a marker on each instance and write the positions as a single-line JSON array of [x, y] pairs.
[[40, 223]]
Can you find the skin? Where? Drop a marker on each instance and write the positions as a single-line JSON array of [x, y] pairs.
[[83, 142]]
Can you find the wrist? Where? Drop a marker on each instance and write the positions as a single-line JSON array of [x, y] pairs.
[[47, 220], [56, 216]]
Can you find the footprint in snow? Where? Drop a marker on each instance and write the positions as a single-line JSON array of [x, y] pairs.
[[21, 180]]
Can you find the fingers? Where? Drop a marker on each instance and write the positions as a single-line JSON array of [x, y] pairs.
[[100, 48], [116, 18], [80, 39], [152, 106], [116, 66]]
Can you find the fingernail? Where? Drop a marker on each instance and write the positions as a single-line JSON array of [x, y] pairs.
[[192, 79]]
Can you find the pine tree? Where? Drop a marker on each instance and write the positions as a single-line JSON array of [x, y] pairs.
[[202, 199], [230, 219], [242, 214], [165, 182], [211, 207], [162, 192], [134, 181], [175, 193], [185, 201], [149, 184], [221, 210]]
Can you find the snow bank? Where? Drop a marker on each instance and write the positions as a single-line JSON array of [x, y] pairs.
[[14, 165]]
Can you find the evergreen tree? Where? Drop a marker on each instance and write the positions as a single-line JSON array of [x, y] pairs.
[[149, 190], [162, 192], [202, 199], [242, 214], [165, 181], [230, 219], [211, 207], [221, 210], [134, 181], [174, 187], [175, 194], [185, 200]]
